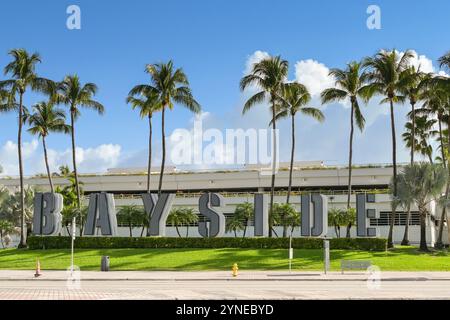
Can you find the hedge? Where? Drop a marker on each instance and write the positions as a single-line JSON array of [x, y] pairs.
[[54, 242]]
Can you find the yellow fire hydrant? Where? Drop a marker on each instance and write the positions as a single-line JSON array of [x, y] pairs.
[[235, 269]]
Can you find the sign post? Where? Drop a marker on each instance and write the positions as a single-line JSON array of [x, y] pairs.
[[74, 229], [326, 255], [291, 253]]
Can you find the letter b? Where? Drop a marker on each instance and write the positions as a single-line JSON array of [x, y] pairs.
[[47, 213]]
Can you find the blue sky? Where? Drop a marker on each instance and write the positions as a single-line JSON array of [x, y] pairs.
[[212, 41]]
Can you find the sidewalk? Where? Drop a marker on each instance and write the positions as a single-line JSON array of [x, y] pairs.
[[58, 275]]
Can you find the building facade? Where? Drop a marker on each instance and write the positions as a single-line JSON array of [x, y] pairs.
[[239, 185]]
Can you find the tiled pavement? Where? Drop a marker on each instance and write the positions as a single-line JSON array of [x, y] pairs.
[[220, 289], [53, 285]]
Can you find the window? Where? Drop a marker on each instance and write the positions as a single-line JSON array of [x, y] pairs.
[[400, 219]]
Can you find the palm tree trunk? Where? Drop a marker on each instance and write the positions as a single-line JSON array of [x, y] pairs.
[[441, 138], [163, 161], [348, 230], [178, 231], [413, 142], [439, 243], [274, 159], [74, 163], [394, 164], [405, 240], [350, 158], [291, 168], [276, 234], [23, 240], [142, 231], [149, 152], [46, 165], [423, 229], [187, 230], [130, 226], [350, 155]]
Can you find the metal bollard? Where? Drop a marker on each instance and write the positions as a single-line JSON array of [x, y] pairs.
[[105, 263]]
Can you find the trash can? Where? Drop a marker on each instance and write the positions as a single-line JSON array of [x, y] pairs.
[[105, 263]]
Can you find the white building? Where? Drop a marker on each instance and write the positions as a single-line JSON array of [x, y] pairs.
[[238, 186]]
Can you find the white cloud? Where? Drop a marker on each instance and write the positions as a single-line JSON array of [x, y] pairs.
[[315, 141], [422, 62], [256, 57], [89, 160], [314, 75]]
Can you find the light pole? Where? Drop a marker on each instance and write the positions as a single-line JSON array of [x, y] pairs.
[[74, 229]]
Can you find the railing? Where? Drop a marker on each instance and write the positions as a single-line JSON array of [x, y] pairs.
[[250, 194]]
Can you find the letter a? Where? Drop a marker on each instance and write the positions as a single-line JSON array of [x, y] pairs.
[[74, 20], [374, 20]]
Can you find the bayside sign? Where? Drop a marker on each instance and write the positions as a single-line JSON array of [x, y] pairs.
[[101, 217]]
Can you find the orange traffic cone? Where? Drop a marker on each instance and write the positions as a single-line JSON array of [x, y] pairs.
[[38, 269]]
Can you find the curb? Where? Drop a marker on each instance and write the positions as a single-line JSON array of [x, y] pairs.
[[225, 279]]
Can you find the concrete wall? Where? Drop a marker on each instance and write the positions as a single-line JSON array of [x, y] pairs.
[[337, 201]]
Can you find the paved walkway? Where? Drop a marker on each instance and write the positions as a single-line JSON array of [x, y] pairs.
[[59, 275], [221, 285]]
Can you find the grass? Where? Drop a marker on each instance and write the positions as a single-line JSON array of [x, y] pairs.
[[398, 259]]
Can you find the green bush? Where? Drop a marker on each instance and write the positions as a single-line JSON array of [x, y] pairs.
[[53, 242]]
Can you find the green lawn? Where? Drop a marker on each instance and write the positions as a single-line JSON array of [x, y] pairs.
[[398, 259]]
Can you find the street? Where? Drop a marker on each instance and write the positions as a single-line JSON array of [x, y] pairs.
[[216, 285]]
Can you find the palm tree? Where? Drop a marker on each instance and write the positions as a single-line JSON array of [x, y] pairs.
[[235, 224], [244, 212], [443, 83], [294, 98], [268, 75], [411, 84], [350, 84], [7, 101], [6, 228], [336, 219], [286, 215], [384, 78], [68, 214], [176, 219], [444, 61], [423, 131], [421, 183], [22, 70], [144, 220], [148, 103], [189, 217], [182, 216], [171, 86], [434, 98], [73, 94], [44, 120], [130, 214], [11, 208], [436, 104]]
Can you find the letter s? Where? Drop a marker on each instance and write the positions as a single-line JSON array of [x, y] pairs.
[[216, 219]]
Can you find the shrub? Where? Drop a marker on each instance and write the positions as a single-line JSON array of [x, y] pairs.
[[54, 242]]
